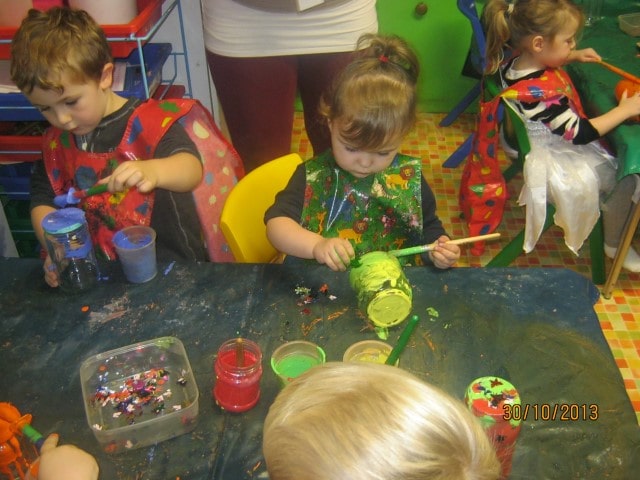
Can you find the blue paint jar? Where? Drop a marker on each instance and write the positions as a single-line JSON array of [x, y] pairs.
[[69, 245]]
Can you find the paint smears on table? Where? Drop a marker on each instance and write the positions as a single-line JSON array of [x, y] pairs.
[[109, 312], [310, 295], [432, 313], [307, 297]]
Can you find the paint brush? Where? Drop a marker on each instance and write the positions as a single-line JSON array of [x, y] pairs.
[[620, 72], [355, 263], [239, 352], [403, 340], [427, 248], [73, 196]]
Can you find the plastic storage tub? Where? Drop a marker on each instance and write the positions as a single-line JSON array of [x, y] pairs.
[[630, 24], [122, 38], [140, 394]]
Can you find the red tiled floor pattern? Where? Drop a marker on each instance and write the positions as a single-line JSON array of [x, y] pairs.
[[619, 316]]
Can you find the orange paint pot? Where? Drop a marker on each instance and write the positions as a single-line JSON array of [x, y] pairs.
[[631, 88]]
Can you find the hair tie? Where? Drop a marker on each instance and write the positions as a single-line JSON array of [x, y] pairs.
[[383, 59]]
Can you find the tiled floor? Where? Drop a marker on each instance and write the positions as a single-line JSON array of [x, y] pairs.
[[619, 316]]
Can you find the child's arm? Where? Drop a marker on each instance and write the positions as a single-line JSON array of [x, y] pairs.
[[628, 107], [180, 172], [444, 255], [37, 215], [289, 237]]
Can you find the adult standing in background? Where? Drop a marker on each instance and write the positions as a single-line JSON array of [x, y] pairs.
[[262, 52]]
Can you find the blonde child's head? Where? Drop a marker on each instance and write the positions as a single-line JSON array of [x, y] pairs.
[[513, 22], [372, 422], [60, 42], [373, 101]]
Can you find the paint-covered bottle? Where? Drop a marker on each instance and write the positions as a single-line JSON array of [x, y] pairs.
[[238, 369], [71, 250], [496, 403], [383, 292]]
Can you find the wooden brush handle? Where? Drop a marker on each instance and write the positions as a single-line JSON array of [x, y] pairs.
[[427, 248]]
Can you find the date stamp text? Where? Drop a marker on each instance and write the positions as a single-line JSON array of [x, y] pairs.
[[564, 412]]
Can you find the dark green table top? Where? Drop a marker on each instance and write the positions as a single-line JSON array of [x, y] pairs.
[[535, 327], [596, 84]]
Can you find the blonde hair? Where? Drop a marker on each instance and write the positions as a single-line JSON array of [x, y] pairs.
[[374, 98], [369, 421], [56, 42], [512, 23]]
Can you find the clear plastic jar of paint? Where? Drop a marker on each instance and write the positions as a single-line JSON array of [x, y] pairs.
[[71, 250], [383, 291], [238, 369]]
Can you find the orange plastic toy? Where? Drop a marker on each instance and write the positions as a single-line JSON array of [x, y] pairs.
[[12, 424], [12, 462], [631, 88]]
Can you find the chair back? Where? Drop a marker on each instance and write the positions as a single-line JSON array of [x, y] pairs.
[[474, 68], [478, 44], [242, 221]]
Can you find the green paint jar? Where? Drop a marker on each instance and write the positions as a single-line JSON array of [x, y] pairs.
[[292, 359], [383, 292]]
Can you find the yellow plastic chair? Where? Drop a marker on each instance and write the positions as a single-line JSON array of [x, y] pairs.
[[242, 215]]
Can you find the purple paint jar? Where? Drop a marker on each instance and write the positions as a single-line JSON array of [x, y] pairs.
[[136, 248]]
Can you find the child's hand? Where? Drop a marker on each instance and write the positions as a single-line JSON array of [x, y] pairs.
[[336, 253], [65, 462], [181, 172], [50, 272], [630, 104], [445, 255], [141, 175], [585, 55]]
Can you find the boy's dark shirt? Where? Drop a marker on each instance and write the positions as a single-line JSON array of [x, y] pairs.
[[174, 215]]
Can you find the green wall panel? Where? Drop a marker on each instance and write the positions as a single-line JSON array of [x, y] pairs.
[[441, 37]]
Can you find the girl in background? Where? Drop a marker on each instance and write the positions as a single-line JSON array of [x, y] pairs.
[[363, 190], [567, 165]]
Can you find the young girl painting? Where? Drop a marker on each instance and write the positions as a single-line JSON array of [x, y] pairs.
[[362, 190], [567, 165]]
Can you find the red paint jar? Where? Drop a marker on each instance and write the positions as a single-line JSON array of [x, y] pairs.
[[238, 369]]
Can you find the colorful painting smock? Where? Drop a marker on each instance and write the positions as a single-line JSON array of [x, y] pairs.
[[483, 188], [69, 166], [379, 212]]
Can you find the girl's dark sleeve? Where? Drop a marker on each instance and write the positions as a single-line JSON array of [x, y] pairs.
[[289, 202], [432, 228]]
